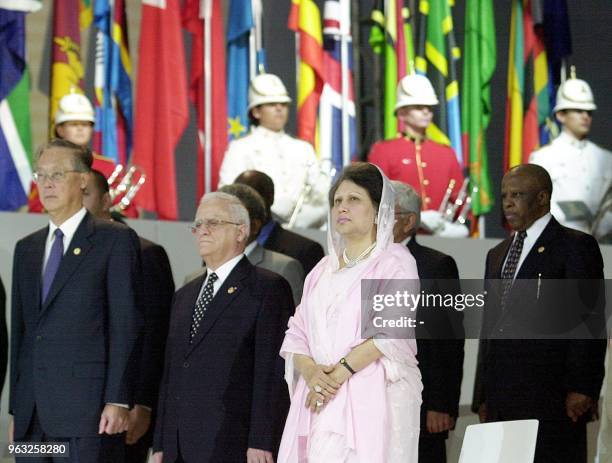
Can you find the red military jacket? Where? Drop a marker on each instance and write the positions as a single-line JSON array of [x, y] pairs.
[[426, 166]]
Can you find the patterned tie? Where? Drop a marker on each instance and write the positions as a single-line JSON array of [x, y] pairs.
[[201, 305], [511, 263], [53, 263]]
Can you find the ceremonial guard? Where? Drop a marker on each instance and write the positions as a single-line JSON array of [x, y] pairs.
[[429, 167], [301, 185], [580, 170]]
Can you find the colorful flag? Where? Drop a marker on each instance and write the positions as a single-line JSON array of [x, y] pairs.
[[478, 68], [161, 105], [208, 95], [15, 129], [337, 104], [529, 91], [305, 21], [392, 37], [85, 13], [66, 67], [113, 84], [239, 26]]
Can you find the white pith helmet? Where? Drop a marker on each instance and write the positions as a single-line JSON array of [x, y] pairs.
[[267, 88], [415, 89], [74, 107], [575, 94]]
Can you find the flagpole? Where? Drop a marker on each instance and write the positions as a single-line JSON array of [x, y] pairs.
[[345, 12], [207, 6]]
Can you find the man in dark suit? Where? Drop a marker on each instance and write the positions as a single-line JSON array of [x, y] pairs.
[[440, 349], [219, 397], [75, 319], [538, 281], [156, 299], [273, 236]]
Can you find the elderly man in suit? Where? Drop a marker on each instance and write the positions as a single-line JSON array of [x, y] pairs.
[[538, 281], [75, 319], [158, 289], [440, 351], [273, 236], [222, 380]]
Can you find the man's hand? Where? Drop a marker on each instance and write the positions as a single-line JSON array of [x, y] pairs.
[[438, 421], [482, 412], [258, 456], [11, 430], [158, 457], [139, 420], [577, 404], [114, 419]]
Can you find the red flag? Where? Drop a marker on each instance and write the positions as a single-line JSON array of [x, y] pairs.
[[217, 118], [161, 105]]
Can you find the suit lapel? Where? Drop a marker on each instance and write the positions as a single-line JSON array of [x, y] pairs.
[[531, 263], [35, 259], [192, 291], [498, 257], [74, 255], [229, 290]]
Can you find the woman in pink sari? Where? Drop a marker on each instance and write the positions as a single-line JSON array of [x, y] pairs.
[[352, 399]]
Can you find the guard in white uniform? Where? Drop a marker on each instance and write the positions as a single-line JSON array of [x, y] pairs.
[[300, 184], [580, 170]]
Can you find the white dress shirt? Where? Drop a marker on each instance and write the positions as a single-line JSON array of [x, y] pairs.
[[533, 233], [222, 273], [68, 228]]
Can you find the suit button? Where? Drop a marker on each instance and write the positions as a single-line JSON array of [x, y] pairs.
[[39, 338], [186, 365]]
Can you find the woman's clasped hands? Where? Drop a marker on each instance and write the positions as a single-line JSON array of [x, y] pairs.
[[323, 382]]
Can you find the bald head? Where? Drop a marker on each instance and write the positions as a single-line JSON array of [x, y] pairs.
[[261, 183]]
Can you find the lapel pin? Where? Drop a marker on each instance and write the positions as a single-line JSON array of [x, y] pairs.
[[541, 249], [77, 251], [231, 289]]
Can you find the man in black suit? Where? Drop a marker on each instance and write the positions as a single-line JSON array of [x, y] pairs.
[[272, 235], [156, 299], [525, 373], [440, 348], [75, 319], [219, 397]]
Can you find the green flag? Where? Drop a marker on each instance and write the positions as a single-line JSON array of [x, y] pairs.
[[478, 67]]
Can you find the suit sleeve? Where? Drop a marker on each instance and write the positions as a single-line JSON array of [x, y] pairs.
[[446, 361], [124, 317], [266, 408], [294, 273], [158, 288], [479, 395], [585, 358], [314, 253], [17, 326]]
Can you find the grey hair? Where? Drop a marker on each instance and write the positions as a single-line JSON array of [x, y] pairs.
[[237, 211], [407, 200]]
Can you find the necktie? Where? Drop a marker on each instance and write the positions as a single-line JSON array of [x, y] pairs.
[[201, 305], [53, 263], [511, 263]]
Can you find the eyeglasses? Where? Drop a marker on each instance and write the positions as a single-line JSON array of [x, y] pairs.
[[209, 224], [53, 177]]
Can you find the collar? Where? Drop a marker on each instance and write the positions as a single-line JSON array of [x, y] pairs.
[[569, 139], [225, 269], [536, 229], [266, 231], [405, 241], [267, 133], [69, 227], [250, 247]]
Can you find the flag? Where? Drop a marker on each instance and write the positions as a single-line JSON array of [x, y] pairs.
[[478, 68], [442, 53], [85, 13], [557, 36], [392, 36], [112, 83], [305, 21], [15, 129], [161, 105], [66, 67], [239, 26], [208, 96], [529, 91], [337, 129]]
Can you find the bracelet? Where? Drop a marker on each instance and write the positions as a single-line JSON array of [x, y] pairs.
[[345, 364]]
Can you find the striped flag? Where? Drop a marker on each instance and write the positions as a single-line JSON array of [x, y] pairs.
[[85, 13], [478, 68], [529, 91], [441, 51], [392, 37], [15, 129], [305, 21], [337, 104], [112, 83]]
